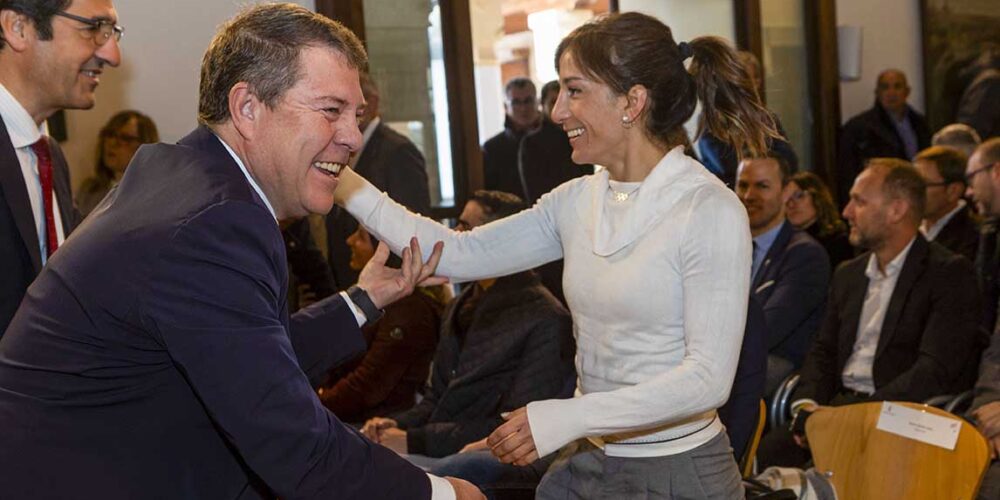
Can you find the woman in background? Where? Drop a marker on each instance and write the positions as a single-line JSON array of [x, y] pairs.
[[118, 142], [811, 209], [657, 264]]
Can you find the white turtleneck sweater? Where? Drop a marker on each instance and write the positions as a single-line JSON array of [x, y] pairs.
[[657, 286]]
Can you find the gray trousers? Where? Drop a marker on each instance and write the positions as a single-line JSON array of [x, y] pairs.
[[583, 471]]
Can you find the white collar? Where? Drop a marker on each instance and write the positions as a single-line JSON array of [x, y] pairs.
[[931, 231], [249, 177], [20, 126], [894, 266]]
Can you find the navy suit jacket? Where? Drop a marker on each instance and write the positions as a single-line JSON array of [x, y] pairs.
[[154, 356], [20, 257], [791, 286]]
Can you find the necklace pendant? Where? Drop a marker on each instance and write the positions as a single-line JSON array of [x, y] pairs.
[[621, 197]]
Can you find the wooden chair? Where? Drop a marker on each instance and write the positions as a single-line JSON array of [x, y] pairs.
[[747, 460], [864, 463]]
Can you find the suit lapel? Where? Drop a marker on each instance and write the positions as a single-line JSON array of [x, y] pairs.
[[16, 194], [773, 254], [913, 267], [857, 288]]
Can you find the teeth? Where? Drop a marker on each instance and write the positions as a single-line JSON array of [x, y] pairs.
[[574, 132], [333, 168]]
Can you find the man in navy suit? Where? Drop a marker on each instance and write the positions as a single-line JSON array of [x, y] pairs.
[[51, 55], [153, 357], [791, 270]]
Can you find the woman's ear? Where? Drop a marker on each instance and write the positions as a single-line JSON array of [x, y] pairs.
[[638, 100]]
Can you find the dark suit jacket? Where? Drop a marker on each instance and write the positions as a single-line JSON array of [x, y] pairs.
[[20, 258], [739, 414], [154, 356], [961, 234], [791, 286], [929, 337], [872, 135], [518, 348], [392, 163]]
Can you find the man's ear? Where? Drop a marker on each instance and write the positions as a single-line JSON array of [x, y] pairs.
[[897, 210], [955, 190], [244, 110], [17, 29]]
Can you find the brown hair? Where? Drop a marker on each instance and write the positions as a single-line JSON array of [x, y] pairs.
[[261, 46], [628, 49], [902, 181], [39, 11], [950, 162], [147, 134], [827, 216], [498, 204]]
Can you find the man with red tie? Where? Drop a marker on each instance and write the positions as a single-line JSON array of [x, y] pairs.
[[52, 53]]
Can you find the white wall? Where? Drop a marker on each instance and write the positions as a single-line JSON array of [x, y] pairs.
[[688, 19], [161, 59], [891, 38]]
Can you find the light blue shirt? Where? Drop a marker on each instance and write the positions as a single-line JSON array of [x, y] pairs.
[[761, 245]]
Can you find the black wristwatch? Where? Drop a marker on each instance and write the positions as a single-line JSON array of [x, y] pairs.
[[361, 299]]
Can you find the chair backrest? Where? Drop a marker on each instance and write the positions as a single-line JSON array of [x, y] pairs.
[[746, 461], [863, 462]]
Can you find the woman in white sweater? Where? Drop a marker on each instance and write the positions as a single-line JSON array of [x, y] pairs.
[[657, 263]]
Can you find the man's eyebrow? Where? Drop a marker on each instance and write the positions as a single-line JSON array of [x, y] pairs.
[[331, 100]]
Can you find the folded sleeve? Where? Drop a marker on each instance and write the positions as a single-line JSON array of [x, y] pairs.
[[216, 302]]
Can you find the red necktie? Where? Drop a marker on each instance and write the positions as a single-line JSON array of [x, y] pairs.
[[41, 149]]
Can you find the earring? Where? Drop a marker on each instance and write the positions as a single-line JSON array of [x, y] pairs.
[[626, 122]]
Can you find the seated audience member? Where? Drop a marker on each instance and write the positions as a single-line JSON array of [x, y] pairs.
[[959, 136], [985, 410], [983, 178], [790, 272], [890, 129], [309, 277], [947, 218], [719, 158], [118, 142], [810, 207], [504, 342], [902, 321], [400, 347]]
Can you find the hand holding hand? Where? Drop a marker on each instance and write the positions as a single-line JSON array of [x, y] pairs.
[[512, 442], [394, 439], [374, 426], [386, 285], [475, 446]]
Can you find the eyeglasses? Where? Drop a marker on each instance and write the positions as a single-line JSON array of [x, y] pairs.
[[798, 195], [101, 29], [527, 101], [123, 138], [972, 175], [937, 184]]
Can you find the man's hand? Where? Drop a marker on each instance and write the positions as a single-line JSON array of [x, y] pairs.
[[988, 421], [799, 428], [475, 446], [386, 285], [374, 426], [465, 490], [394, 439], [512, 442]]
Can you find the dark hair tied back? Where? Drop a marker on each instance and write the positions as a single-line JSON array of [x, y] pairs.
[[628, 49]]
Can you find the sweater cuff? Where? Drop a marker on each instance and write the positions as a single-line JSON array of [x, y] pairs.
[[416, 441], [556, 423]]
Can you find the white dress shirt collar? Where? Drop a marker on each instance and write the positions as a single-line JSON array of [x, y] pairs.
[[892, 269], [20, 126], [249, 177], [932, 231]]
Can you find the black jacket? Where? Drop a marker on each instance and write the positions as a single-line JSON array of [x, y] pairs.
[[518, 349], [872, 135], [961, 234], [929, 338]]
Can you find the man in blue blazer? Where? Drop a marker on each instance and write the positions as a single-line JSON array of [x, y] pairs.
[[791, 270], [153, 357]]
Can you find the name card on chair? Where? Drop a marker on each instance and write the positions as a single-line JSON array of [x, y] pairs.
[[919, 425]]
